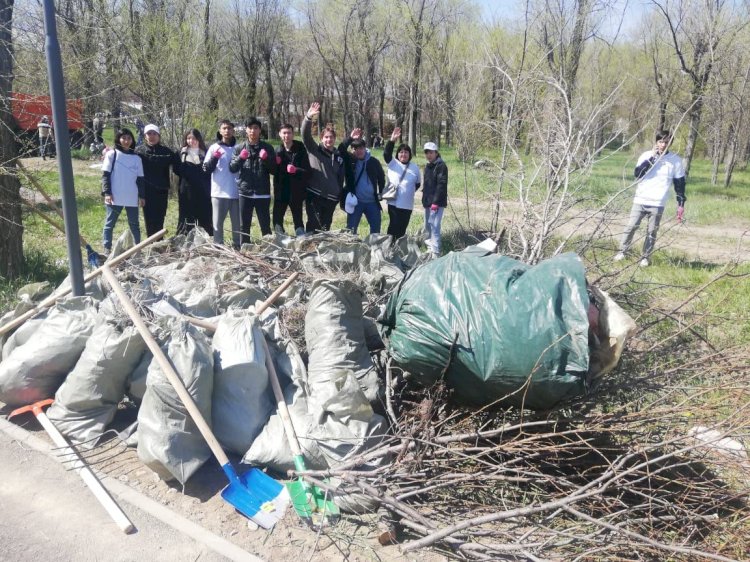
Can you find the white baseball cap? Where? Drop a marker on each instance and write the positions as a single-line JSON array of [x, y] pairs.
[[430, 146], [151, 127]]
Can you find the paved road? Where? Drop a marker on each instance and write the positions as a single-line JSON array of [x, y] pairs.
[[47, 513]]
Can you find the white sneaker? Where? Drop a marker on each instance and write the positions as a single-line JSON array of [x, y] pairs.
[[619, 256], [644, 262]]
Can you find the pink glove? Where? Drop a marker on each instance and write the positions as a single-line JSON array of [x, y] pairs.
[[278, 160], [244, 154], [434, 208], [263, 154], [218, 153], [291, 169], [680, 213]]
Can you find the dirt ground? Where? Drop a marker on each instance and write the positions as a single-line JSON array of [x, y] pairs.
[[353, 539]]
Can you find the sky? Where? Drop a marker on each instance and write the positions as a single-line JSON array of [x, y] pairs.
[[627, 11]]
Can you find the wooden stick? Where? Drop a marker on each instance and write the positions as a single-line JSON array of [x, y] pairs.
[[38, 187], [53, 298], [166, 367]]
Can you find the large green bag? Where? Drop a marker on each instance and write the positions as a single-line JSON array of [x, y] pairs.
[[520, 331]]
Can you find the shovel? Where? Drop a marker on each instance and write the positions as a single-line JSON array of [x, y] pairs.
[[79, 466], [310, 502], [254, 494]]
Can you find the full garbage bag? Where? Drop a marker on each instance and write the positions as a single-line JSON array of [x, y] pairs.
[[242, 397], [34, 370], [169, 442], [500, 329], [87, 401]]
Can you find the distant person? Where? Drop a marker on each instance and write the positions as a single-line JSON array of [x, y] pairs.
[[123, 186], [98, 129], [290, 181], [403, 173], [139, 126], [45, 136], [255, 161], [157, 162], [434, 196], [224, 191], [194, 192], [326, 180], [655, 171], [365, 179]]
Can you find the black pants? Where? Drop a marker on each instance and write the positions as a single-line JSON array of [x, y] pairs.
[[262, 209], [194, 208], [155, 210], [293, 201], [399, 221], [319, 212]]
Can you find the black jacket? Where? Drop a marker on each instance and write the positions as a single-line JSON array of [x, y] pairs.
[[435, 184], [255, 174], [193, 176], [283, 182], [157, 160], [373, 168]]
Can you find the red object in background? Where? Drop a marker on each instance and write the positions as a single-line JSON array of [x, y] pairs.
[[28, 110]]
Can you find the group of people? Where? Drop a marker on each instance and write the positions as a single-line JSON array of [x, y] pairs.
[[234, 178]]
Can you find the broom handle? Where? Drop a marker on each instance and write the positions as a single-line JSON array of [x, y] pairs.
[[283, 409], [87, 475], [166, 367], [53, 298]]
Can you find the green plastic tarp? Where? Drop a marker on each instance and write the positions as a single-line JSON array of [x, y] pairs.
[[520, 331]]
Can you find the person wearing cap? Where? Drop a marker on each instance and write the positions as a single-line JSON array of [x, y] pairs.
[[45, 133], [225, 196], [364, 178], [255, 161], [326, 179], [434, 196], [290, 181], [157, 160], [403, 173]]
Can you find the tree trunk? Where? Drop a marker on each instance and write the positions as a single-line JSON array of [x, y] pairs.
[[11, 233], [414, 98], [213, 102], [381, 110], [695, 121], [271, 103]]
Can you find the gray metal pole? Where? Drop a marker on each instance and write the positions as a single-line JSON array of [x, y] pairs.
[[64, 164]]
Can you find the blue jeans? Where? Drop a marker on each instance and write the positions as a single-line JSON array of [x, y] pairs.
[[637, 214], [372, 214], [432, 224], [113, 211]]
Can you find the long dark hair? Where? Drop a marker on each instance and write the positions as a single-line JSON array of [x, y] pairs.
[[121, 133], [197, 134]]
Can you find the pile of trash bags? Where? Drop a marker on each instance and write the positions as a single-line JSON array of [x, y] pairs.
[[490, 327]]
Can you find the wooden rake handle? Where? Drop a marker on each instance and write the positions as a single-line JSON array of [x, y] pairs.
[[166, 367], [52, 299]]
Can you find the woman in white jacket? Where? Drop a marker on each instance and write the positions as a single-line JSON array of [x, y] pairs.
[[403, 173], [123, 186]]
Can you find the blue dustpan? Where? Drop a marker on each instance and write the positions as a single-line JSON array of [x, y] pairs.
[[256, 495]]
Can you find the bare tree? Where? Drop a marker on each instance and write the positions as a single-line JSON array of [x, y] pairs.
[[697, 31], [11, 239]]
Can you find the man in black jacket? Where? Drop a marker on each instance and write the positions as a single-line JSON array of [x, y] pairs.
[[434, 196], [255, 160], [366, 179], [290, 180], [157, 159]]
